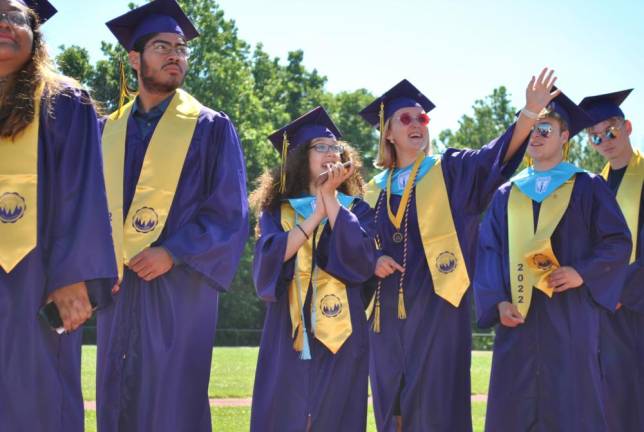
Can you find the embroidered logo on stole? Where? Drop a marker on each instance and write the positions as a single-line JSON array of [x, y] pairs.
[[159, 176]]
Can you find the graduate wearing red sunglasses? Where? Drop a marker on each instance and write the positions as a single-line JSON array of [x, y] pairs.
[[428, 209]]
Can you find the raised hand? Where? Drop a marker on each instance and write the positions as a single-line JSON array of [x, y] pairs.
[[338, 174], [539, 92]]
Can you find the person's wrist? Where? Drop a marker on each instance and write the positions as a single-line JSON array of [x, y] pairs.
[[530, 112]]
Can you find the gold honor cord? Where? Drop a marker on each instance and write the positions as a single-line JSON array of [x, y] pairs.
[[531, 257], [396, 220], [19, 192], [439, 238], [331, 305], [628, 195]]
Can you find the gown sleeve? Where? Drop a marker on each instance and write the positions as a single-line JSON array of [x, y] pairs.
[[212, 242]]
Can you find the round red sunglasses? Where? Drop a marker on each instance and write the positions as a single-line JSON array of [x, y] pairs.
[[406, 119]]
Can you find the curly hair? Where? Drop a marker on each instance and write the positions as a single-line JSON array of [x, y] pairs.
[[17, 105], [267, 196]]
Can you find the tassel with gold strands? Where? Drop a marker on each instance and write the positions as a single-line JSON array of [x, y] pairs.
[[298, 344], [375, 325], [376, 313], [124, 90], [283, 164], [381, 117], [566, 150], [402, 312]]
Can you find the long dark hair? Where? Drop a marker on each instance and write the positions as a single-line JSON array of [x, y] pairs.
[[267, 196], [17, 107]]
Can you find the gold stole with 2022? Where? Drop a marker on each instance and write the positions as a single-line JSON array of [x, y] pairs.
[[330, 305], [159, 176], [532, 259]]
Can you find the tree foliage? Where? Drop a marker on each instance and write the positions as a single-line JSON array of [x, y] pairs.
[[260, 93]]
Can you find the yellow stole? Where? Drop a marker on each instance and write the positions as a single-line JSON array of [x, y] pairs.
[[159, 177], [629, 193], [438, 233], [19, 192], [532, 259], [330, 307]]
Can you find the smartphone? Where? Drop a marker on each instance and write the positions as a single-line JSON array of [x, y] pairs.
[[50, 314], [325, 175]]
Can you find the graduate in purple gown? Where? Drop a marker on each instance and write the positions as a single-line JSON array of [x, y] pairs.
[[155, 343], [55, 241], [421, 339], [552, 246], [622, 332], [314, 253]]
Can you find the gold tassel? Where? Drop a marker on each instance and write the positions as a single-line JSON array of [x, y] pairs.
[[566, 150], [283, 165], [381, 116], [298, 344], [528, 160], [402, 313], [124, 91], [376, 318]]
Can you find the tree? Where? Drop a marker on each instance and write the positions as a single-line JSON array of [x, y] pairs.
[[74, 62], [492, 116]]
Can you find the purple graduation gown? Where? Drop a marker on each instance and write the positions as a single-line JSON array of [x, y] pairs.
[[546, 372], [40, 387], [331, 388], [622, 348], [426, 358], [155, 343]]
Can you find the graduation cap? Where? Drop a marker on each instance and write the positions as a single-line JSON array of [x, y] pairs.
[[402, 95], [43, 8], [158, 16], [575, 117], [314, 124], [605, 106]]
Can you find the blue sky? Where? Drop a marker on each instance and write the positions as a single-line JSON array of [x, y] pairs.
[[454, 51]]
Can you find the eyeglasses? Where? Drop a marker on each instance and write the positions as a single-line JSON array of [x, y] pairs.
[[328, 148], [406, 119], [165, 49], [542, 129], [611, 133], [15, 18]]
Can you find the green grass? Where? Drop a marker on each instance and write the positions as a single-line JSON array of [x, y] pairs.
[[481, 364], [233, 370]]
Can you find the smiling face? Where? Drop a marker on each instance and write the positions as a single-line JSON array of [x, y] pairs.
[[547, 140], [318, 160], [408, 138], [16, 36]]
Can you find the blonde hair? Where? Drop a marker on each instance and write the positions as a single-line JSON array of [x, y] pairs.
[[386, 157]]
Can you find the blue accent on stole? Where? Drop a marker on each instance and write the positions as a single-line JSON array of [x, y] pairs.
[[401, 175], [304, 206], [538, 185]]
